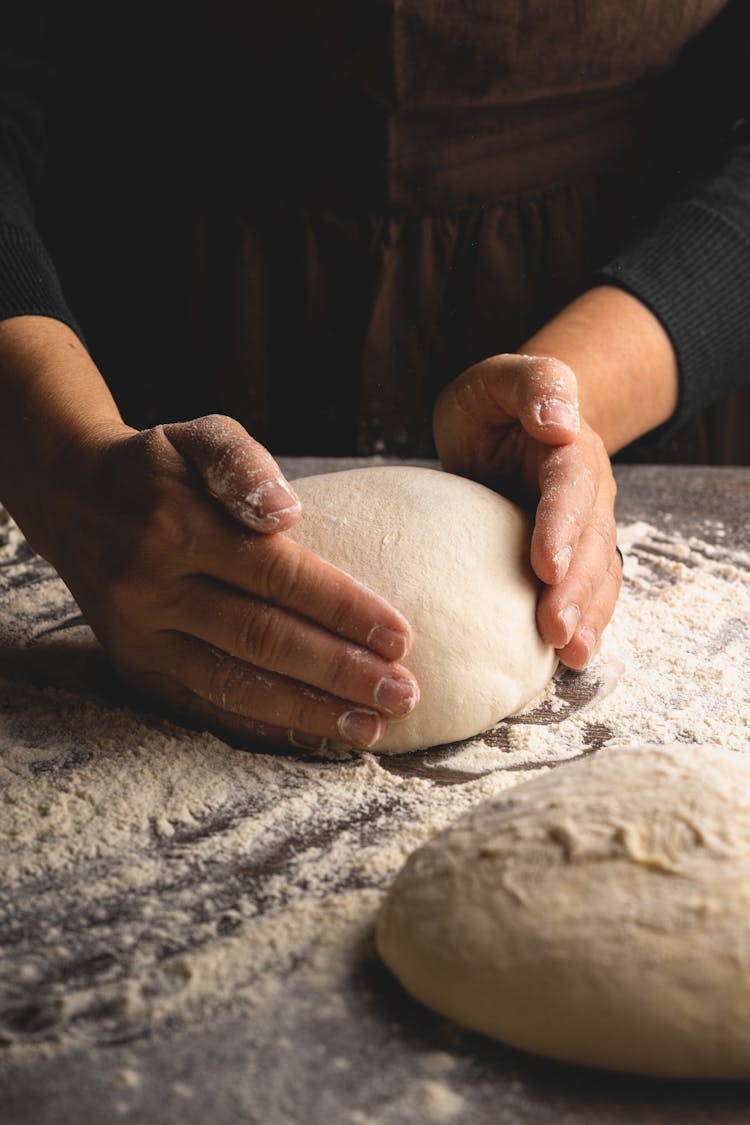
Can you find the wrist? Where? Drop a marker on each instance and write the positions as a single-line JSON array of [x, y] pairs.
[[55, 410], [623, 359]]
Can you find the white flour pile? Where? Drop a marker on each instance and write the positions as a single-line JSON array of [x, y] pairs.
[[154, 877]]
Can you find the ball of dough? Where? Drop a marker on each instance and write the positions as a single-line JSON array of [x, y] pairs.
[[597, 914], [452, 556]]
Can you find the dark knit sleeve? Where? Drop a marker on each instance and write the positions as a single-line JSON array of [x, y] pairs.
[[29, 284], [691, 265]]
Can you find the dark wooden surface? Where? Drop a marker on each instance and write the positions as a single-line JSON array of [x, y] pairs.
[[224, 1070]]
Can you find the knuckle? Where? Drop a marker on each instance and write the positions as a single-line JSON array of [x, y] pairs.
[[215, 428], [166, 531], [601, 610], [225, 683], [281, 572], [586, 586], [596, 621], [340, 611], [150, 444], [606, 531], [552, 374], [221, 421], [477, 387], [340, 667], [302, 741], [258, 638], [304, 712]]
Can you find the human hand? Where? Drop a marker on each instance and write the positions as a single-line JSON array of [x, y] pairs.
[[166, 538], [512, 422]]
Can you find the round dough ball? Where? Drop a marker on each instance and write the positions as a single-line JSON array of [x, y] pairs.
[[597, 914], [452, 556]]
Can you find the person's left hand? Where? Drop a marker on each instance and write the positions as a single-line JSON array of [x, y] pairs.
[[512, 422]]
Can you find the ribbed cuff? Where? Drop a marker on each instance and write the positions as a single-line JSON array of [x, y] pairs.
[[692, 270], [29, 285]]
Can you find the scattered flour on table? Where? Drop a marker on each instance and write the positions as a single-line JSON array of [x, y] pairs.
[[672, 666], [154, 877], [433, 1100]]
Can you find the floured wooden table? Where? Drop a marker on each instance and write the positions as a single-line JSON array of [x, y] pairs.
[[186, 926]]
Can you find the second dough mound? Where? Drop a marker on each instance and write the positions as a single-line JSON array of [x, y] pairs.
[[597, 914]]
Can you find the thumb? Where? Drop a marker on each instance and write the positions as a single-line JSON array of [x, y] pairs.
[[238, 471], [547, 399], [538, 392]]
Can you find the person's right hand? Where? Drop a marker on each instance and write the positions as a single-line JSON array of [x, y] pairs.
[[167, 540]]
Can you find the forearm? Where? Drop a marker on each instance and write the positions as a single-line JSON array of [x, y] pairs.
[[622, 358], [52, 400]]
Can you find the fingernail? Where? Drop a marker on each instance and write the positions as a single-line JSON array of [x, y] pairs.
[[570, 617], [588, 640], [389, 643], [561, 562], [360, 728], [557, 412], [272, 498], [397, 697]]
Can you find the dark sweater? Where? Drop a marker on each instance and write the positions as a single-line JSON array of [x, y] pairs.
[[690, 265]]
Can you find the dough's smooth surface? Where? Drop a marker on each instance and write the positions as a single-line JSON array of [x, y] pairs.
[[599, 914], [452, 556]]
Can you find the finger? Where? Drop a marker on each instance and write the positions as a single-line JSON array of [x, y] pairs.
[[253, 732], [278, 570], [547, 400], [572, 480], [561, 608], [272, 568], [188, 709], [238, 471], [587, 636], [277, 640], [576, 487], [264, 697]]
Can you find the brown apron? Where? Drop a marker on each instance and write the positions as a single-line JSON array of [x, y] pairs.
[[427, 184]]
